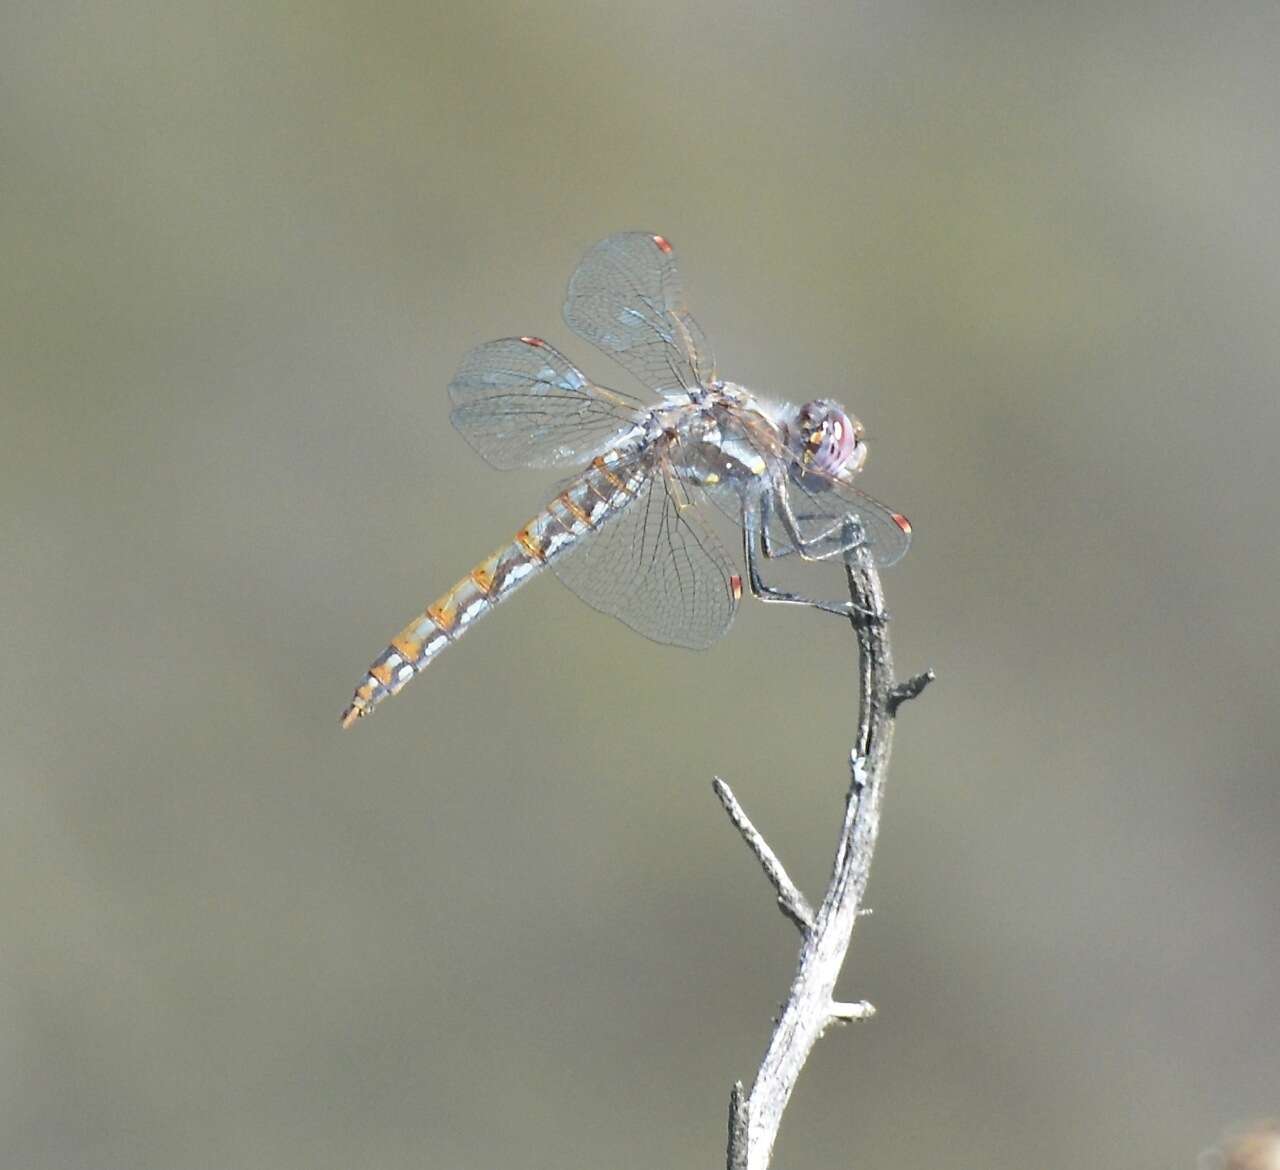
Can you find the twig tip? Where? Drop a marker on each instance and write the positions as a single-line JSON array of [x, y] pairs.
[[909, 689], [739, 1118], [848, 1013]]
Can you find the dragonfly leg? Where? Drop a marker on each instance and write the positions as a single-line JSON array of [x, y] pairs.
[[774, 552], [753, 538], [836, 531], [801, 545]]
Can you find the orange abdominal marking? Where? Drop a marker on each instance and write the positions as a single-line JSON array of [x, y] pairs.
[[437, 615], [567, 501], [526, 542], [603, 468], [408, 649], [483, 581]]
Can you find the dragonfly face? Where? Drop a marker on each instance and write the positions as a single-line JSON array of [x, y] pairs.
[[830, 441], [627, 533]]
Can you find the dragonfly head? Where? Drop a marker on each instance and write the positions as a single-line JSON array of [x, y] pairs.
[[831, 441]]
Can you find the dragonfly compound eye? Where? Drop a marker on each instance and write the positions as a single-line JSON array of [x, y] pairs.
[[831, 437]]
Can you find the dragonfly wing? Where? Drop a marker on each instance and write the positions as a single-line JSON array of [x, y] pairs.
[[656, 567], [626, 299], [839, 517], [521, 403]]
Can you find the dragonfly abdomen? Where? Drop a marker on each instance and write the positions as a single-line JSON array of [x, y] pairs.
[[591, 500]]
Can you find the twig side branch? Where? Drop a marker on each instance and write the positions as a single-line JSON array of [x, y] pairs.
[[909, 690], [790, 900], [811, 1007]]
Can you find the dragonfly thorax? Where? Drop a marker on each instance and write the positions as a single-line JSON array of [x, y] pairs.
[[719, 440]]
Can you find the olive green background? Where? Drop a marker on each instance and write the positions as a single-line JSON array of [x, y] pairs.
[[504, 923]]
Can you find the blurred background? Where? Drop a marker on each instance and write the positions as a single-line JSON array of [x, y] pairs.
[[505, 922]]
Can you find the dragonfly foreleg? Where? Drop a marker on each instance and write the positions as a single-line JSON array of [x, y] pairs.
[[754, 543], [775, 552], [802, 545]]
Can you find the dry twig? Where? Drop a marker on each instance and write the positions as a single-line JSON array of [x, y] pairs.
[[811, 1008]]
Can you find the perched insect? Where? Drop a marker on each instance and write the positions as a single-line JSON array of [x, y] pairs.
[[627, 534]]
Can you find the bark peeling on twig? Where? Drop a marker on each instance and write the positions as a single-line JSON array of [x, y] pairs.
[[810, 1007]]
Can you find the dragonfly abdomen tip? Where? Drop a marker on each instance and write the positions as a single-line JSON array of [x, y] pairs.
[[350, 715]]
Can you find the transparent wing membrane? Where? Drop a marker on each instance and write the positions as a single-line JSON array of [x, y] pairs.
[[656, 567], [834, 517], [626, 299], [521, 403]]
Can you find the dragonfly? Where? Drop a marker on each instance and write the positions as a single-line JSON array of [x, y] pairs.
[[628, 532]]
